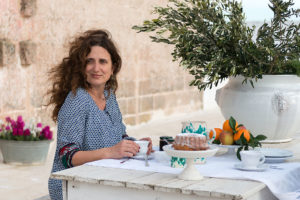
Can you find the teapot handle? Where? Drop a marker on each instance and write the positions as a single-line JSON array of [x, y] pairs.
[[209, 138]]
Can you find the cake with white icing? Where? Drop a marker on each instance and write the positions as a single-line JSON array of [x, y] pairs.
[[190, 142]]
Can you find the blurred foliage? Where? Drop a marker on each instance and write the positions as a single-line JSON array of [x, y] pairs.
[[212, 40]]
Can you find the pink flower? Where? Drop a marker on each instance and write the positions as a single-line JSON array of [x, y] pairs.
[[19, 119], [50, 135], [13, 123], [20, 131], [8, 119], [46, 133], [27, 132], [15, 131], [39, 125], [20, 125]]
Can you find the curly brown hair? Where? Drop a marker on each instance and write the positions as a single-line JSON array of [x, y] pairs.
[[69, 75]]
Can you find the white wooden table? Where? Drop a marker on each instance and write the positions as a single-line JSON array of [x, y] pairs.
[[91, 182]]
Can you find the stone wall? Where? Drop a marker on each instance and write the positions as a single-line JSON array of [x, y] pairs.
[[34, 36]]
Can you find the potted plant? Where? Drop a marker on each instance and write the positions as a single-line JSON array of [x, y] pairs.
[[213, 42], [24, 144]]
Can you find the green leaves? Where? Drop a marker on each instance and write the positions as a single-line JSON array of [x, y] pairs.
[[242, 141], [212, 40], [238, 152], [9, 136], [260, 137], [253, 142], [232, 123]]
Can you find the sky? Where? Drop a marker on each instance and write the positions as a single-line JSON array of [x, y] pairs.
[[258, 10]]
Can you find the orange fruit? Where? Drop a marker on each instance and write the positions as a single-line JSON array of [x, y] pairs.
[[226, 126], [239, 133], [218, 131]]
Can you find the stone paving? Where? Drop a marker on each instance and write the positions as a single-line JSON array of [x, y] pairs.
[[30, 182]]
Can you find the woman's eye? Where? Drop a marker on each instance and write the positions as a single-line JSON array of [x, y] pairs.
[[102, 61], [89, 61]]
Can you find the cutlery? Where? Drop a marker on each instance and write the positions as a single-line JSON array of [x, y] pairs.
[[124, 160], [146, 161]]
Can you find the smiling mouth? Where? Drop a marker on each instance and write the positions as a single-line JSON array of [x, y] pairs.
[[96, 76]]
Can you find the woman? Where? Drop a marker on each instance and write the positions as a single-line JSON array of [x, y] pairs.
[[85, 108]]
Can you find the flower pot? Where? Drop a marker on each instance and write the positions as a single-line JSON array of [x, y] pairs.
[[24, 152], [271, 108]]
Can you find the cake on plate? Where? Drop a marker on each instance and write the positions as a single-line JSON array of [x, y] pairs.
[[190, 142]]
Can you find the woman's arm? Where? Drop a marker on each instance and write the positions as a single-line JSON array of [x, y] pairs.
[[125, 148]]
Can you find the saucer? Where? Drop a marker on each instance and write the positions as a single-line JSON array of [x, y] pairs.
[[276, 159], [142, 157], [259, 168]]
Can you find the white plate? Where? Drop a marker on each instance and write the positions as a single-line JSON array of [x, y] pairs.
[[190, 154], [141, 157], [275, 152], [226, 146], [230, 148], [259, 168], [190, 172]]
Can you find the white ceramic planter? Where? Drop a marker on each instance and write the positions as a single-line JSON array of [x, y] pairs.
[[24, 152], [271, 108]]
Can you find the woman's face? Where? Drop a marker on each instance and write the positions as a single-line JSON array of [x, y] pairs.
[[99, 67]]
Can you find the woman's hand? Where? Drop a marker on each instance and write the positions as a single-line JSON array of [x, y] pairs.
[[125, 148], [149, 145]]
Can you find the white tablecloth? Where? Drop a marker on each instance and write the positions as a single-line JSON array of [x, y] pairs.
[[284, 182]]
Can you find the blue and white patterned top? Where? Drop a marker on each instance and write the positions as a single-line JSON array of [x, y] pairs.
[[81, 122]]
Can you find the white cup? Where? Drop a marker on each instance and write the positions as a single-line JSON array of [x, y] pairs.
[[143, 147], [252, 159]]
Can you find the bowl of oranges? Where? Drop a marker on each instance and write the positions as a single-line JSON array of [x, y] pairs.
[[235, 136]]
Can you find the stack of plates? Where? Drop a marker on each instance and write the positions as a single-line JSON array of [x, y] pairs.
[[274, 155]]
